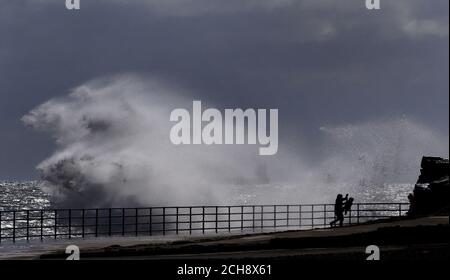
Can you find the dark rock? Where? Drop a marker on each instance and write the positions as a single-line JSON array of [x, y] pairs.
[[432, 169], [432, 191]]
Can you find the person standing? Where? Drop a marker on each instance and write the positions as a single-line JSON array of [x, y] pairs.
[[339, 210]]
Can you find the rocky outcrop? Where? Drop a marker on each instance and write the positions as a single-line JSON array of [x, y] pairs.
[[432, 191]]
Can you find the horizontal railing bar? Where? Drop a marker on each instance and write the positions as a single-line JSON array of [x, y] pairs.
[[196, 207]]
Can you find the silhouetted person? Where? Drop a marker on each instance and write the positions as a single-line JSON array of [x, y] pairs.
[[412, 204], [339, 210], [348, 205]]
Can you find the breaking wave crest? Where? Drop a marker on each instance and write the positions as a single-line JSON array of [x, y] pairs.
[[113, 149]]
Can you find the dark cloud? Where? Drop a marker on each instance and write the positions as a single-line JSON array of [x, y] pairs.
[[321, 62]]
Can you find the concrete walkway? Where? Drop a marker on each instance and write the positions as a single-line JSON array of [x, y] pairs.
[[282, 244]]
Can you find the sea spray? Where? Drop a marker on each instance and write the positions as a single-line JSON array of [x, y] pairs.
[[113, 149]]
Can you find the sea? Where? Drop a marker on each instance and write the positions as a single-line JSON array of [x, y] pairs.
[[23, 195]]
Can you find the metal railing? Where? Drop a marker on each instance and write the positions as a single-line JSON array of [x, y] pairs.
[[81, 223]]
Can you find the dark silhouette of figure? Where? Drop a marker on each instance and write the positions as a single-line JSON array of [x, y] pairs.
[[412, 204], [339, 210], [348, 205]]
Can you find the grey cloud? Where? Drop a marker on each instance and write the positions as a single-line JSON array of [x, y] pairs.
[[321, 62]]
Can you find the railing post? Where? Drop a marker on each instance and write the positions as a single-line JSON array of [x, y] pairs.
[[217, 218], [287, 215], [274, 216], [312, 216], [203, 219], [70, 223], [150, 226], [399, 210], [242, 218], [350, 216], [136, 212], [324, 215], [300, 217], [176, 222], [109, 221], [14, 226], [164, 220], [123, 221], [28, 225], [56, 224], [253, 218], [0, 227], [190, 220], [262, 217], [96, 222], [357, 213], [229, 218], [82, 223], [42, 225]]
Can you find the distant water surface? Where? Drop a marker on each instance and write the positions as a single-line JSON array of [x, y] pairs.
[[28, 195], [22, 195]]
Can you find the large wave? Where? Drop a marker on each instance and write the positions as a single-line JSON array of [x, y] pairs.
[[113, 149]]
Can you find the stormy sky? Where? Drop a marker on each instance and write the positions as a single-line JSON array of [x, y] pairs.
[[322, 63]]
